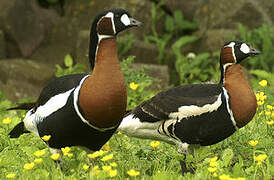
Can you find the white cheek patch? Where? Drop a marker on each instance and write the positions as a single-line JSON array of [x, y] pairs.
[[244, 48], [125, 19]]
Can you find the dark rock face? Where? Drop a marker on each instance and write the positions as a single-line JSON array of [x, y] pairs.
[[21, 78], [26, 24], [2, 46], [45, 37]]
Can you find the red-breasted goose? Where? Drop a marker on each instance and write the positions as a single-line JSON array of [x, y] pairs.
[[83, 109], [202, 114]]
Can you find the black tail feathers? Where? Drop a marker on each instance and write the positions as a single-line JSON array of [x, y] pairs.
[[18, 130], [23, 106]]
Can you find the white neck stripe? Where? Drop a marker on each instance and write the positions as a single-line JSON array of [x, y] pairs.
[[75, 99], [229, 110]]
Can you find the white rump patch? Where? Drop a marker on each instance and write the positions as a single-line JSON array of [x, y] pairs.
[[29, 123], [193, 110], [125, 19], [132, 126], [244, 48]]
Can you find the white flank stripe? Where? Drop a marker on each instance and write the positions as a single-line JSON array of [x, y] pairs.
[[75, 99], [193, 110], [228, 109], [52, 105]]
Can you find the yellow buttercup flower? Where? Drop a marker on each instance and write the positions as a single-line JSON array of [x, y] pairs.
[[260, 158], [10, 176], [85, 167], [224, 177], [46, 137], [263, 83], [213, 159], [113, 164], [133, 86], [213, 164], [133, 173], [119, 133], [154, 144], [40, 153], [106, 168], [6, 120], [269, 107], [267, 113], [113, 173], [253, 143], [96, 154], [72, 170], [107, 157], [260, 103], [65, 150], [215, 175], [38, 161], [212, 169], [270, 122], [55, 156], [29, 166]]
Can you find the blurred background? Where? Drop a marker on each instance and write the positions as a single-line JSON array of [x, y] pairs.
[[179, 41]]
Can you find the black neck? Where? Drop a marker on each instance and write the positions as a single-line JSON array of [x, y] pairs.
[[93, 43], [222, 72]]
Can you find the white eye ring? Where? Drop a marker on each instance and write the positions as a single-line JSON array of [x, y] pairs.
[[125, 19], [244, 48]]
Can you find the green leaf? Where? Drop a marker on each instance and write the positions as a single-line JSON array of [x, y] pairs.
[[68, 61], [169, 24], [178, 17], [227, 156]]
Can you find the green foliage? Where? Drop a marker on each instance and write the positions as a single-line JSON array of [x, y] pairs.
[[69, 67], [261, 38], [198, 68], [261, 74], [174, 26], [234, 156], [141, 79], [52, 1], [124, 44]]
